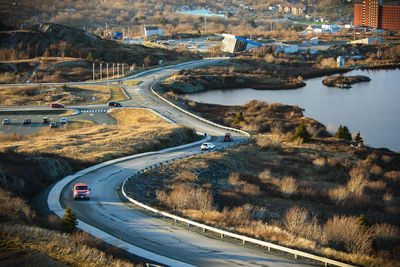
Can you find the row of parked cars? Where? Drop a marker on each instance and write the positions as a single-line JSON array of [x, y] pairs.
[[45, 120]]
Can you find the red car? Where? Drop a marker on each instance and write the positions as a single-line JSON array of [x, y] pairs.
[[81, 191], [228, 137], [57, 105]]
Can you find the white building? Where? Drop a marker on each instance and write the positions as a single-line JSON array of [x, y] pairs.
[[150, 31], [285, 48], [340, 62]]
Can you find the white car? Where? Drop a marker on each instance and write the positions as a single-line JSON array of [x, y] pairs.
[[63, 120], [207, 146]]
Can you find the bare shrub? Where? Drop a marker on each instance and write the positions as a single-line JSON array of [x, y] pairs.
[[344, 233], [392, 175], [269, 142], [251, 127], [339, 195], [183, 196], [288, 186], [269, 58], [295, 218], [358, 180], [333, 161], [387, 236], [237, 216], [14, 208], [376, 170], [234, 178], [388, 199], [187, 176], [328, 63], [250, 189], [377, 185], [265, 174], [319, 162]]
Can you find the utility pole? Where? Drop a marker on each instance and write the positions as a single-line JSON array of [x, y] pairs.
[[101, 74], [117, 70], [122, 69], [93, 71], [107, 70], [113, 72]]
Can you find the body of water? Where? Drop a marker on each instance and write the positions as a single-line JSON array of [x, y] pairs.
[[372, 108]]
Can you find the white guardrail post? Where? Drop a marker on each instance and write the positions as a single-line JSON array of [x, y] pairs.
[[222, 233]]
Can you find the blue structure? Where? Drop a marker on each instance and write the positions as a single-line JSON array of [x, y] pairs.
[[232, 43], [248, 41], [117, 35]]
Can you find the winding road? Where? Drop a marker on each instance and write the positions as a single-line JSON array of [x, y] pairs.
[[166, 242]]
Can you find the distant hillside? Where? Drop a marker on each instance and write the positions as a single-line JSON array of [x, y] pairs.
[[54, 40]]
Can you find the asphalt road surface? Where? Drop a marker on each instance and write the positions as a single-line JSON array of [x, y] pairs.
[[108, 212]]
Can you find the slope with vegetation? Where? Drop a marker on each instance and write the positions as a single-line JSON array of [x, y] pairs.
[[69, 52], [303, 189], [28, 164]]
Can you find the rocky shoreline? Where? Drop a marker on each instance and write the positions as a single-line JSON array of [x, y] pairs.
[[344, 81]]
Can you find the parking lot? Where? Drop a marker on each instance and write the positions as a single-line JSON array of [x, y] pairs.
[[17, 126]]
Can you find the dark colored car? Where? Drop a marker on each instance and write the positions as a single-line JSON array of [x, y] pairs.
[[114, 104], [27, 121], [53, 125], [6, 122], [45, 120], [57, 105], [228, 137]]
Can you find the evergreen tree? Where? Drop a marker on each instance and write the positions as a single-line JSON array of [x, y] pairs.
[[90, 58], [69, 221], [359, 139], [302, 133], [343, 132], [239, 117]]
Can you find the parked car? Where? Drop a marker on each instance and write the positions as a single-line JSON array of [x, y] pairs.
[[53, 124], [45, 120], [81, 191], [207, 146], [228, 137], [57, 105], [64, 120], [27, 121], [114, 104], [6, 122]]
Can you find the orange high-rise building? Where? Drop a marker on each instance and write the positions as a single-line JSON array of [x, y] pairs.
[[373, 14]]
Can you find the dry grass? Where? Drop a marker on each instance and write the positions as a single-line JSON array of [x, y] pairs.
[[61, 247], [117, 94], [255, 190], [44, 95], [137, 131]]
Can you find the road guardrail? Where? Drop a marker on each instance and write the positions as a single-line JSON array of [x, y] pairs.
[[222, 233]]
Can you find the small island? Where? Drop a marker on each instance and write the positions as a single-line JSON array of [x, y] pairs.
[[344, 81]]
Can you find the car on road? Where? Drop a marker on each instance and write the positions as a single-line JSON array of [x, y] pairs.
[[53, 124], [64, 120], [6, 122], [81, 191], [228, 137], [27, 121], [57, 105], [45, 120], [114, 104], [207, 146]]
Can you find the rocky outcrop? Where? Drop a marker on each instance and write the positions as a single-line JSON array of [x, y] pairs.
[[344, 81]]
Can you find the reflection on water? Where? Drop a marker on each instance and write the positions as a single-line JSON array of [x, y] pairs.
[[373, 108]]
